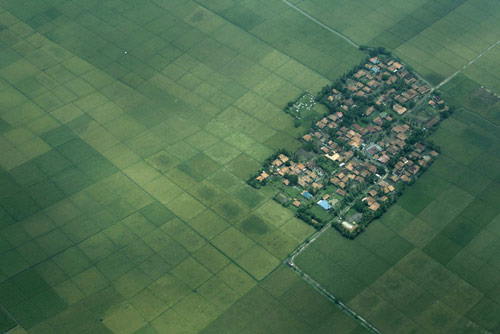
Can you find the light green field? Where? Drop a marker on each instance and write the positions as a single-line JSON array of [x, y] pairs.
[[435, 37], [127, 132]]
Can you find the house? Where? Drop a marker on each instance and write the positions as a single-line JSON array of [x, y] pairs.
[[360, 74], [399, 109], [432, 122], [296, 203], [306, 195], [283, 158], [262, 176], [324, 205], [333, 157], [400, 128], [340, 192], [373, 84], [333, 117], [397, 65], [307, 137], [375, 206], [352, 88], [349, 226], [317, 186], [384, 159], [320, 125]]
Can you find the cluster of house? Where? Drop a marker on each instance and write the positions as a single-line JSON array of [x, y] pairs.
[[372, 156], [438, 103], [376, 77]]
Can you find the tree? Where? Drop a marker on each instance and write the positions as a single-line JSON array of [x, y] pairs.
[[292, 178], [380, 170], [370, 179], [359, 206]]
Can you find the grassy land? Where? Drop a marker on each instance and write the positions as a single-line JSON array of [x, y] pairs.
[[127, 132], [435, 37]]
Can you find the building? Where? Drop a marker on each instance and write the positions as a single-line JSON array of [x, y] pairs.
[[324, 205], [306, 194]]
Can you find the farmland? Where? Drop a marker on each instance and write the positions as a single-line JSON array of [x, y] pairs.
[[435, 37], [128, 130]]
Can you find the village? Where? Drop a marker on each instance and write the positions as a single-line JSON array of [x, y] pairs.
[[357, 159]]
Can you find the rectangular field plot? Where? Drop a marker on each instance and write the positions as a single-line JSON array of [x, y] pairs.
[[127, 134]]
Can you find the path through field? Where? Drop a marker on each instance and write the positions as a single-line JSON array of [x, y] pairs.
[[344, 37], [468, 64]]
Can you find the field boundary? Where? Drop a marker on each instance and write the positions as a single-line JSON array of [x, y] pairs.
[[263, 41], [290, 262], [344, 37], [445, 81], [312, 18], [17, 324]]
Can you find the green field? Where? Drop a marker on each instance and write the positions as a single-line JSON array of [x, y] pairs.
[[435, 37], [128, 130]]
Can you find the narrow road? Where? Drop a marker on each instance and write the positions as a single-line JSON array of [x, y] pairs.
[[350, 41], [334, 300], [312, 18], [467, 65], [290, 262], [339, 34]]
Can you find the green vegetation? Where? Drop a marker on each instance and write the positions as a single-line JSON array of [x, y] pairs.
[[128, 130], [436, 38], [127, 133]]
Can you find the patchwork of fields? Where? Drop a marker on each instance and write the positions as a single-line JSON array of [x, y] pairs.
[[128, 129], [436, 37], [127, 132], [430, 265]]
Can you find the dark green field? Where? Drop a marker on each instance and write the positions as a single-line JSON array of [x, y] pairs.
[[128, 129]]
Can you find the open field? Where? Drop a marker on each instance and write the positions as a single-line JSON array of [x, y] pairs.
[[127, 130], [435, 37]]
